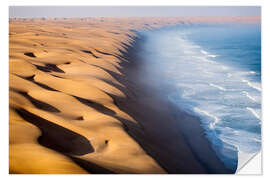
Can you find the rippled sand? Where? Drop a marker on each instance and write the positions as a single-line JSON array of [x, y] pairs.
[[63, 118]]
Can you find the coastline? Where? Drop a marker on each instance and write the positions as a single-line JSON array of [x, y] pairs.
[[174, 138], [78, 106]]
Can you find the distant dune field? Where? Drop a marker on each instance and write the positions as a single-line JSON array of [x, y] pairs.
[[63, 118]]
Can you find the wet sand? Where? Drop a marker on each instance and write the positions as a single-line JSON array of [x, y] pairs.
[[171, 136]]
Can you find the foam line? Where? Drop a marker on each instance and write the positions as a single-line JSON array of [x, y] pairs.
[[253, 112], [203, 52], [250, 97], [216, 119], [252, 85], [218, 87]]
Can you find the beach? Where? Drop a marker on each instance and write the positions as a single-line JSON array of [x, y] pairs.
[[78, 102]]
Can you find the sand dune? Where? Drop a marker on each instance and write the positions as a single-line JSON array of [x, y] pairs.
[[63, 118]]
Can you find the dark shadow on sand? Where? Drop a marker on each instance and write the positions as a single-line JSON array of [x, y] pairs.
[[57, 137]]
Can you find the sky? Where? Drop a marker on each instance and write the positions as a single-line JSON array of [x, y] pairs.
[[131, 11]]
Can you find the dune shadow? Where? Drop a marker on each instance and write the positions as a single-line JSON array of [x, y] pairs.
[[31, 78], [49, 68], [90, 52], [37, 103], [57, 137], [104, 53], [99, 107], [29, 54], [90, 167]]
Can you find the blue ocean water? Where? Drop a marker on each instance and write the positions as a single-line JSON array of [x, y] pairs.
[[217, 72]]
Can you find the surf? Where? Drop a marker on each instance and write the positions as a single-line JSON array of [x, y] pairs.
[[213, 83]]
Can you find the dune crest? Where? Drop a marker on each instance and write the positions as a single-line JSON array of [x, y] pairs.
[[63, 118]]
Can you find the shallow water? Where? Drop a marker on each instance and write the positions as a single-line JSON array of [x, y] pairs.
[[217, 73]]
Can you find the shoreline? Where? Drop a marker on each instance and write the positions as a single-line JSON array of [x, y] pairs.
[[176, 150], [76, 104]]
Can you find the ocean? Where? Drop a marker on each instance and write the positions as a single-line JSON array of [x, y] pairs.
[[216, 70]]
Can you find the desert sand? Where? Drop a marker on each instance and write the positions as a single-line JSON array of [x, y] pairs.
[[67, 91]]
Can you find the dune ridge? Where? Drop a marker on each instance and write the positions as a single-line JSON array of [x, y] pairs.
[[62, 117]]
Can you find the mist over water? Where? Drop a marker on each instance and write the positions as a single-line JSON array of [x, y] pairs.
[[216, 70]]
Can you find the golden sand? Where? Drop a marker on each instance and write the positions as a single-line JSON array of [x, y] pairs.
[[62, 117]]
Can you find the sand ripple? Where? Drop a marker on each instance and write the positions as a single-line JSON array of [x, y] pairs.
[[62, 116]]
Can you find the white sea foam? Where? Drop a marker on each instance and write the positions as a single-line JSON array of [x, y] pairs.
[[203, 59], [211, 55], [241, 140], [250, 97], [212, 124], [203, 52], [253, 85], [206, 53], [217, 92], [254, 112], [217, 86]]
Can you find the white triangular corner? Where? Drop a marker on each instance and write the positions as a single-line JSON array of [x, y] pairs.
[[249, 163]]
